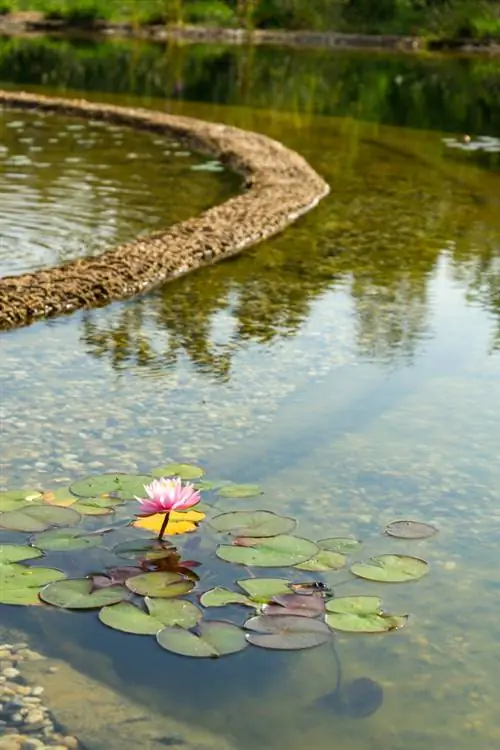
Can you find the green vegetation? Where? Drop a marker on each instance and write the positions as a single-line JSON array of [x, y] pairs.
[[477, 19]]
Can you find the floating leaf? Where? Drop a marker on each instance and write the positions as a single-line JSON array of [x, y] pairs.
[[256, 523], [219, 597], [263, 589], [32, 518], [277, 551], [124, 486], [323, 561], [365, 622], [360, 605], [174, 612], [61, 496], [239, 490], [113, 577], [410, 530], [159, 584], [21, 585], [96, 506], [184, 471], [11, 499], [150, 549], [129, 618], [178, 523], [215, 639], [208, 484], [343, 545], [78, 593], [287, 632], [391, 568], [357, 699], [298, 605], [13, 553], [61, 540]]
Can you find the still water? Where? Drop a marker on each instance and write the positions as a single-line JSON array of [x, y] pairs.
[[350, 366]]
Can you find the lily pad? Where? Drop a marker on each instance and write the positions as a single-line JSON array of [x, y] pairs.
[[208, 484], [178, 523], [256, 523], [287, 632], [60, 496], [11, 499], [61, 540], [32, 518], [369, 622], [323, 561], [21, 585], [215, 639], [278, 551], [410, 530], [124, 486], [130, 618], [77, 593], [297, 605], [97, 506], [239, 490], [137, 549], [391, 568], [263, 589], [13, 553], [219, 597], [343, 545], [359, 605], [161, 584], [184, 471], [174, 612]]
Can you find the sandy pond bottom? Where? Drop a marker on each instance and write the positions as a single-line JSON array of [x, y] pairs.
[[349, 367]]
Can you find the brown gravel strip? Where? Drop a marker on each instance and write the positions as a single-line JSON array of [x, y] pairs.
[[280, 187]]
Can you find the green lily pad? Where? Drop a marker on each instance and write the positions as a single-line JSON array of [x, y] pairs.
[[97, 506], [149, 549], [323, 561], [208, 484], [215, 639], [124, 486], [129, 618], [410, 530], [365, 623], [77, 593], [184, 471], [33, 518], [358, 605], [11, 499], [160, 584], [239, 490], [262, 590], [62, 540], [286, 633], [391, 568], [13, 553], [256, 523], [278, 551], [21, 585], [174, 612], [220, 596], [343, 545]]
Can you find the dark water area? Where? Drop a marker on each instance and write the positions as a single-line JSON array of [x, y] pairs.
[[350, 367]]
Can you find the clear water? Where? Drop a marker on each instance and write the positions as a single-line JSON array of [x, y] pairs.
[[351, 366]]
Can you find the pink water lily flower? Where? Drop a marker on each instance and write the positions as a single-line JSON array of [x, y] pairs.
[[167, 494]]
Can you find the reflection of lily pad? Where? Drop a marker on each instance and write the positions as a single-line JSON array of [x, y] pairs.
[[286, 633], [357, 699], [33, 518], [263, 589], [11, 499], [256, 523], [344, 545], [21, 585], [77, 593], [215, 639], [13, 553], [125, 486], [61, 540], [159, 583], [323, 561], [370, 622], [391, 568], [162, 613], [184, 471], [239, 490], [278, 551], [410, 530], [219, 597]]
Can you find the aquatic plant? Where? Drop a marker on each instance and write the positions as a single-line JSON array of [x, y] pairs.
[[164, 496]]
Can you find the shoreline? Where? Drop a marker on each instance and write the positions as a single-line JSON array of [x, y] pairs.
[[34, 23], [279, 187]]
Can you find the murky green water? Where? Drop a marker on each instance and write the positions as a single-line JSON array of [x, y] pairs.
[[351, 366]]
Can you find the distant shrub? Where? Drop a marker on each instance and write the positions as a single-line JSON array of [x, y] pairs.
[[78, 13], [213, 12]]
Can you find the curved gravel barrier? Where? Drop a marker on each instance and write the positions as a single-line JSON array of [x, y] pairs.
[[280, 186]]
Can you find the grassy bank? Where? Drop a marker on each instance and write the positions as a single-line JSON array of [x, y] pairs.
[[472, 19]]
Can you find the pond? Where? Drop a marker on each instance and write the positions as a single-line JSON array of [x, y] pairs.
[[349, 368]]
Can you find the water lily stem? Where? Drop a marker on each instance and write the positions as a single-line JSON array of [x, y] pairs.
[[163, 526]]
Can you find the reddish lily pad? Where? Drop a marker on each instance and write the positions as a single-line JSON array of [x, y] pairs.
[[410, 530], [298, 605], [286, 633]]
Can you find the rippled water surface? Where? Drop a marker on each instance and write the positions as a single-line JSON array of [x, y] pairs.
[[350, 366]]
